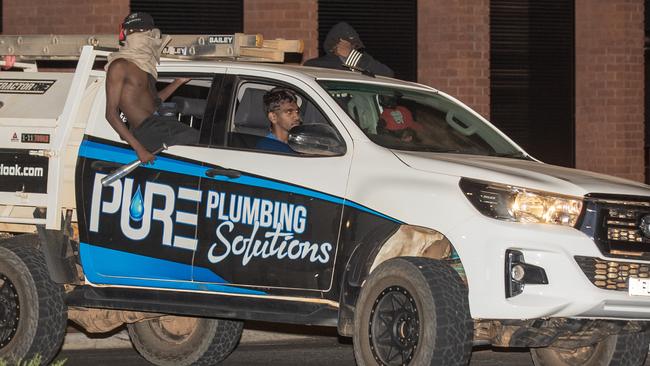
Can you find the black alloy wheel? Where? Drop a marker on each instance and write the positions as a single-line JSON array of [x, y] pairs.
[[394, 327], [9, 310], [413, 311]]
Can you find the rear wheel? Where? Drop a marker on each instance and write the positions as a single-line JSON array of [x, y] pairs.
[[413, 311], [616, 350], [173, 340], [32, 311]]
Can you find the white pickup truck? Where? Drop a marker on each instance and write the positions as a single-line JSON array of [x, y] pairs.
[[400, 216]]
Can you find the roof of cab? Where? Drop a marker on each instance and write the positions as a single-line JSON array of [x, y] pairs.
[[298, 71]]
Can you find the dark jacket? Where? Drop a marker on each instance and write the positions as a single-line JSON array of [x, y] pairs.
[[357, 59]]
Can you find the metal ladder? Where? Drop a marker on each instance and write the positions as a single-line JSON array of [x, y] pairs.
[[238, 46]]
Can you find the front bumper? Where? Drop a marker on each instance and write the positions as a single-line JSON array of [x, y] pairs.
[[482, 243]]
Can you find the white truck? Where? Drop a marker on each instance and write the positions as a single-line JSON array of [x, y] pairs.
[[400, 216]]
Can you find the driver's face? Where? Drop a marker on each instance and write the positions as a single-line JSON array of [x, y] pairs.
[[287, 116]]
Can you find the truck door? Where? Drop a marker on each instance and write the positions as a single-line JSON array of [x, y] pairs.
[[269, 219], [141, 229]]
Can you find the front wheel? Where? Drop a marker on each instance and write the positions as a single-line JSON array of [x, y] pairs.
[[413, 311], [616, 350], [178, 341]]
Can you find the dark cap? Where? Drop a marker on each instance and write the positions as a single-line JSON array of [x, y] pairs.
[[138, 20]]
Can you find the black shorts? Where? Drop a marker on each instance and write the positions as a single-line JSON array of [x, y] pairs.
[[155, 130]]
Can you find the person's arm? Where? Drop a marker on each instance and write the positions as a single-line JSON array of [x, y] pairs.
[[366, 62], [171, 88], [115, 77], [363, 61]]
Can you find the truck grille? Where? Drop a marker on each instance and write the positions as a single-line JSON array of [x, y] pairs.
[[617, 226], [611, 275]]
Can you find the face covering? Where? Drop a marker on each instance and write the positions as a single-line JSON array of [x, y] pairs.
[[143, 49]]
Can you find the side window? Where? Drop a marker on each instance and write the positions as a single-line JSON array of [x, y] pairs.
[[250, 127], [184, 98]]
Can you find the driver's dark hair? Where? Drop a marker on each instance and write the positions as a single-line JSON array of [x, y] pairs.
[[276, 96]]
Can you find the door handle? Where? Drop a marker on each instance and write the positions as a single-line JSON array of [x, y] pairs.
[[230, 173], [104, 166]]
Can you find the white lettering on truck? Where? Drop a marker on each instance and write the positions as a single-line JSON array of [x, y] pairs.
[[20, 171], [283, 221]]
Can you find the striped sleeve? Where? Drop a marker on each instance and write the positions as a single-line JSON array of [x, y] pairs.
[[353, 59]]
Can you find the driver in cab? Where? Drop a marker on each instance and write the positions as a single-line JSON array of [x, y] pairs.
[[281, 107]]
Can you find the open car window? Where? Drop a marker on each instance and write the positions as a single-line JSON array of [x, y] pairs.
[[249, 124], [188, 102], [406, 119]]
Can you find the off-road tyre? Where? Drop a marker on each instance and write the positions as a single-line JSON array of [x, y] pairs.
[[209, 342], [33, 314], [413, 311], [616, 350]]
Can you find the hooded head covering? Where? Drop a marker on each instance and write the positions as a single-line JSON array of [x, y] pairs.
[[143, 49], [339, 31]]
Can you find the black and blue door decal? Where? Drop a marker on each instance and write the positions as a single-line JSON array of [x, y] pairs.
[[169, 225]]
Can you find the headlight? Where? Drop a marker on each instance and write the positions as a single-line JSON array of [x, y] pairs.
[[518, 204]]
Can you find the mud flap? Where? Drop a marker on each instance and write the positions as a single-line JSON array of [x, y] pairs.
[[57, 250]]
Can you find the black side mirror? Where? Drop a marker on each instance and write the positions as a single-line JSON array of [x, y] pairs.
[[315, 139]]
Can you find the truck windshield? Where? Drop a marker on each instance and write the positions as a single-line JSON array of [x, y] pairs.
[[406, 119]]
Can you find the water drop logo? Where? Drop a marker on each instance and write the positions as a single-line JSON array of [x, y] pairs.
[[136, 211]]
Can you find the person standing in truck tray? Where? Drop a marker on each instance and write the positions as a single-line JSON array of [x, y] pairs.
[[344, 50], [131, 88], [281, 107]]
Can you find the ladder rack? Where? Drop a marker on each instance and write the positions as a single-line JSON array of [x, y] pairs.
[[238, 46]]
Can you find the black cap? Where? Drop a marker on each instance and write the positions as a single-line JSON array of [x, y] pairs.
[[138, 20]]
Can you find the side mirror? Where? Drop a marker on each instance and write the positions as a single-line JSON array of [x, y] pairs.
[[315, 139]]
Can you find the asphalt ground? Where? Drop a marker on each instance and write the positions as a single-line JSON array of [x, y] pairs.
[[262, 348], [262, 344], [307, 352]]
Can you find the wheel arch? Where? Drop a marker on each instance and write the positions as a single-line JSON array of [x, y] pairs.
[[405, 241]]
